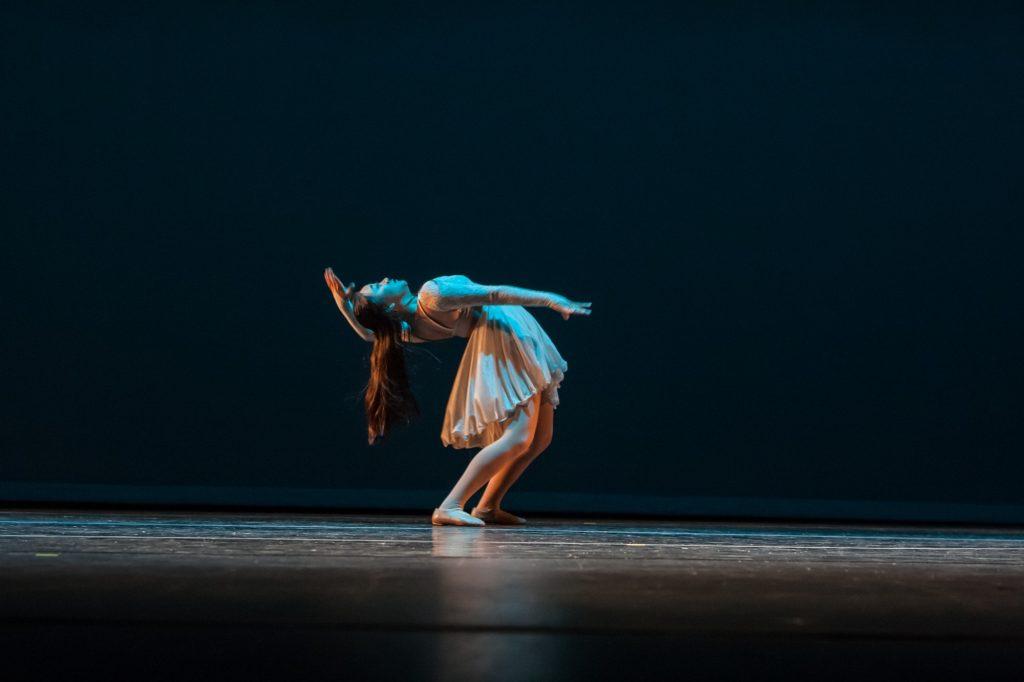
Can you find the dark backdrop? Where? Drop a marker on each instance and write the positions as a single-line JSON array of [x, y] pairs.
[[799, 226]]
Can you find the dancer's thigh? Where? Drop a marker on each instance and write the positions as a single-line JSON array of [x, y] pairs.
[[522, 426], [544, 431]]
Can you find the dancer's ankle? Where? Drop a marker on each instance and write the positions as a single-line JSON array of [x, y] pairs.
[[448, 505]]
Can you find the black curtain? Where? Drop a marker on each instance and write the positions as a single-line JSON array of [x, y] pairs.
[[799, 227]]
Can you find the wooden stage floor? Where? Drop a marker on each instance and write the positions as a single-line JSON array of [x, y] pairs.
[[175, 594]]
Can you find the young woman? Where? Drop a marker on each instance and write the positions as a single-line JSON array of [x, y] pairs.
[[505, 390]]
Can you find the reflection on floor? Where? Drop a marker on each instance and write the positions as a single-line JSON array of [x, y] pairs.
[[168, 594]]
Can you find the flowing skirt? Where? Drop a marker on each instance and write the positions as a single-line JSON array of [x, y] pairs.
[[509, 358]]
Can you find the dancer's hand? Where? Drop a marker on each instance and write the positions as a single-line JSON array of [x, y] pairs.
[[343, 299], [340, 291], [566, 307]]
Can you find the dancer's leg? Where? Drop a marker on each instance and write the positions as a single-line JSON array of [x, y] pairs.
[[503, 480], [513, 442]]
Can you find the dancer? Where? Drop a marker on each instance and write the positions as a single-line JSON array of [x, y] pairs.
[[505, 390]]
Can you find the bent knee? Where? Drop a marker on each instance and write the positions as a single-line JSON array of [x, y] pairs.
[[537, 446], [519, 443]]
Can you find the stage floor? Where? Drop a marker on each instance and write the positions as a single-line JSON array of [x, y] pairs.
[[135, 594]]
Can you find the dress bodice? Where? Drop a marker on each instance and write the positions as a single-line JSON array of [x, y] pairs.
[[435, 317]]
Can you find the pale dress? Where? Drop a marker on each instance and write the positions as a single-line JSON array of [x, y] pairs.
[[509, 357]]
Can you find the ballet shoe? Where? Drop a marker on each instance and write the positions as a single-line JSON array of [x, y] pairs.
[[454, 517], [499, 516]]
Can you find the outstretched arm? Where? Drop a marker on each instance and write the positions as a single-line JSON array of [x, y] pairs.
[[342, 298], [458, 291]]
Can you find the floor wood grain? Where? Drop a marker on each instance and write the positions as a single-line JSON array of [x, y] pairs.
[[376, 596]]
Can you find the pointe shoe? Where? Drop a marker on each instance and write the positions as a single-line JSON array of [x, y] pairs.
[[499, 516], [454, 517]]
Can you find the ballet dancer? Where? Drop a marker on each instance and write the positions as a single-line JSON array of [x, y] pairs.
[[505, 389]]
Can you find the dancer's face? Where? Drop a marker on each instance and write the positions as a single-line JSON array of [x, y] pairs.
[[386, 291]]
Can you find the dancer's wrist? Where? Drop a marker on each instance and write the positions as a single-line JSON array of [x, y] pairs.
[[555, 300]]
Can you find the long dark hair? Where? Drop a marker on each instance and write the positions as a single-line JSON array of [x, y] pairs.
[[388, 395]]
